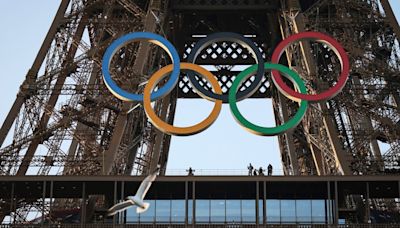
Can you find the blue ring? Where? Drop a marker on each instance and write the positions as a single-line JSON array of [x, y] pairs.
[[151, 37]]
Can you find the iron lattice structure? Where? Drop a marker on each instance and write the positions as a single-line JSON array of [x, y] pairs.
[[65, 122]]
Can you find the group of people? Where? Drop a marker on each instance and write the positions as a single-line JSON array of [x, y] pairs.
[[252, 171], [260, 171]]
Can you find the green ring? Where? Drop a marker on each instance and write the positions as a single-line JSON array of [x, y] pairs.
[[268, 131]]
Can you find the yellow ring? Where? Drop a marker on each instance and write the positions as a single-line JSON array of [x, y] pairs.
[[170, 129]]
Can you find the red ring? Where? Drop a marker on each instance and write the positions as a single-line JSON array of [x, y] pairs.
[[333, 44]]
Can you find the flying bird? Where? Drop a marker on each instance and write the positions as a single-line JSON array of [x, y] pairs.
[[138, 198]]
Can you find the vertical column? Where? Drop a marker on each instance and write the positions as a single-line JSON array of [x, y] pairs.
[[367, 212], [83, 206], [194, 203], [12, 205], [115, 199], [341, 157], [257, 204], [43, 202], [186, 203], [336, 204], [159, 136], [264, 203], [150, 25], [123, 215], [329, 204], [294, 162], [51, 201]]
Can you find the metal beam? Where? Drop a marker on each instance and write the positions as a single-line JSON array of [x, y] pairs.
[[367, 203], [150, 25], [32, 73], [159, 138], [260, 5], [391, 17], [342, 159], [257, 202], [336, 204], [186, 203], [110, 154], [53, 98], [194, 203], [289, 138], [83, 204]]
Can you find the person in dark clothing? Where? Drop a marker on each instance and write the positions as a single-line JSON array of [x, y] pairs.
[[269, 170], [190, 171], [255, 172], [260, 171], [250, 168]]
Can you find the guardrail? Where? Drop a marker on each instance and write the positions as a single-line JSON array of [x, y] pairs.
[[219, 172], [206, 225]]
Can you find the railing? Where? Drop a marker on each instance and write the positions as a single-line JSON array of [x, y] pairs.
[[218, 172], [207, 225]]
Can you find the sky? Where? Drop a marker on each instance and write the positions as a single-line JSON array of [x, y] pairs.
[[224, 146]]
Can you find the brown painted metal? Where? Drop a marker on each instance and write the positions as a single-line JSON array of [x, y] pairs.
[[32, 73], [52, 101], [391, 17], [347, 133]]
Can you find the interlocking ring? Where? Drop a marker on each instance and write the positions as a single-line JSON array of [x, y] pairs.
[[140, 36], [170, 129], [234, 95], [233, 37], [268, 131], [331, 43]]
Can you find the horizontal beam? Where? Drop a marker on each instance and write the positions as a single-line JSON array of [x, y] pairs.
[[194, 5], [203, 178]]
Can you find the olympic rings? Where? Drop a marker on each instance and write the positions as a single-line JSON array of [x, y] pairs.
[[237, 38], [330, 42], [268, 131], [146, 36], [299, 94], [182, 131]]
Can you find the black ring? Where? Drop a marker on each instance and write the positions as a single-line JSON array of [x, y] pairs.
[[233, 37]]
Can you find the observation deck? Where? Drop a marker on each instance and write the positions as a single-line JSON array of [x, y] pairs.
[[220, 201]]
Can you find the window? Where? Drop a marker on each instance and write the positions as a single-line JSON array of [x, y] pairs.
[[149, 215], [163, 211], [273, 208], [131, 215], [217, 211], [303, 211], [190, 211], [248, 211], [178, 211], [288, 211], [318, 211], [260, 211], [202, 211], [233, 214]]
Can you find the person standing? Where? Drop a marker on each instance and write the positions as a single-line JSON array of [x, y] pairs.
[[260, 171], [190, 171], [250, 168], [269, 170]]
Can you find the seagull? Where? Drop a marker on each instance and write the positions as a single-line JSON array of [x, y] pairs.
[[138, 198]]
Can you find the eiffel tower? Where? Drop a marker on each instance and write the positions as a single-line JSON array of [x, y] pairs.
[[84, 130]]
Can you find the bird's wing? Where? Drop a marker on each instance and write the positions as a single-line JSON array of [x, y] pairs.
[[146, 184], [120, 207]]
